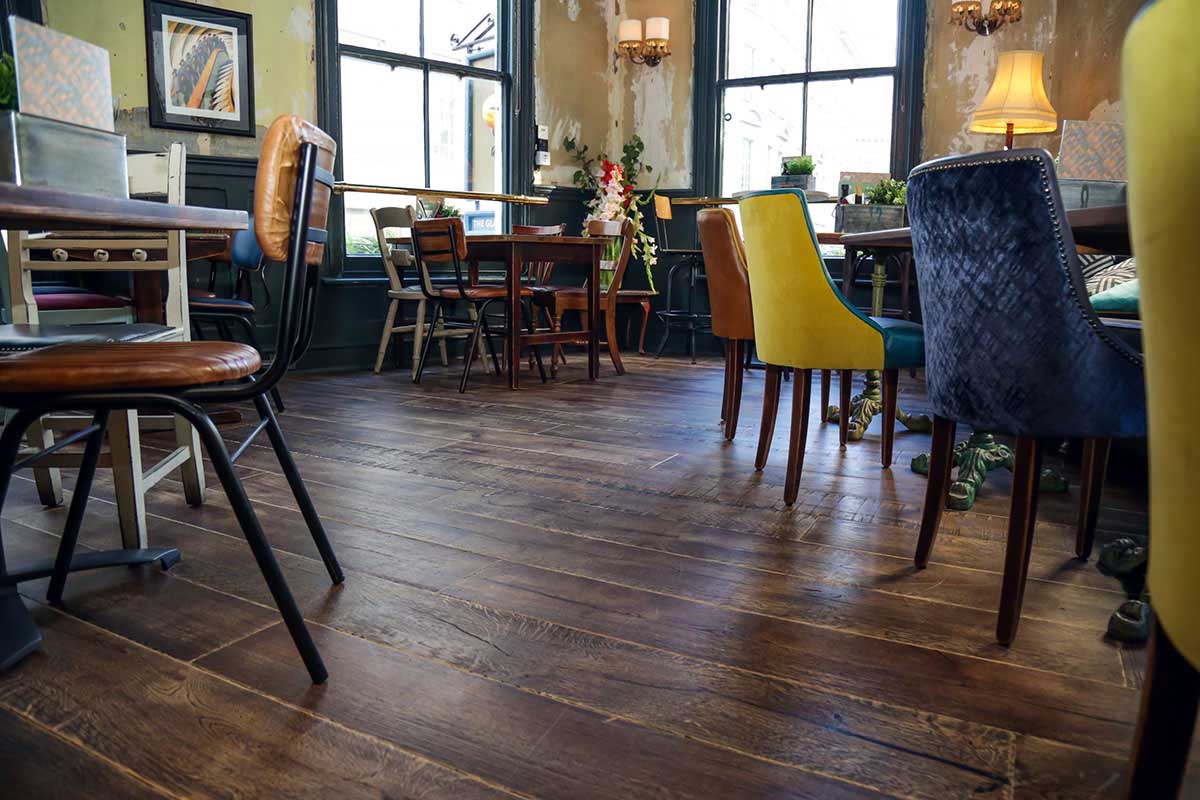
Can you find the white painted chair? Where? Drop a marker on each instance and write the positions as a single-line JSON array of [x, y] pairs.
[[150, 175]]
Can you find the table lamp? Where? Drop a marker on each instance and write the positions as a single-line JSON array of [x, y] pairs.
[[1017, 101]]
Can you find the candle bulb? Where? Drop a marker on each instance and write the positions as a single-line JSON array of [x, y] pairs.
[[658, 28], [630, 30]]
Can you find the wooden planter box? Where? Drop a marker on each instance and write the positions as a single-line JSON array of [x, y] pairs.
[[805, 182], [866, 218]]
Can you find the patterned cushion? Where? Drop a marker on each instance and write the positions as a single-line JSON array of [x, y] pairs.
[[1111, 276]]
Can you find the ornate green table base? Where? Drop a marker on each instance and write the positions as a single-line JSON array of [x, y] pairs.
[[864, 407], [975, 458]]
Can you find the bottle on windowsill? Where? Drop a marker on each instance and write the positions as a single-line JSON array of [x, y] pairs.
[[858, 195], [844, 195]]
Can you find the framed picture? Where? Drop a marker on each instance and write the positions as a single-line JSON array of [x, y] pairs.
[[200, 68]]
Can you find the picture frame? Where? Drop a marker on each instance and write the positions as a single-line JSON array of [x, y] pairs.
[[200, 68]]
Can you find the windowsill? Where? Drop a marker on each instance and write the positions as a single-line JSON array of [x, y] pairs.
[[355, 280]]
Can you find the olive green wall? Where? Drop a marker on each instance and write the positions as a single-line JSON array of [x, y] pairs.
[[285, 77]]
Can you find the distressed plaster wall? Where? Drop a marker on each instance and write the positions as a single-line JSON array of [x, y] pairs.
[[285, 78], [584, 91], [1081, 40]]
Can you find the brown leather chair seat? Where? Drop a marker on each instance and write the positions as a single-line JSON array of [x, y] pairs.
[[482, 293], [83, 368], [200, 294]]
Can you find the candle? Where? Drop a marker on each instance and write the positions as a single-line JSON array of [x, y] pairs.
[[630, 30], [658, 28]]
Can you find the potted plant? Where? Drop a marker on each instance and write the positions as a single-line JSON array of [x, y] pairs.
[[885, 209], [797, 174]]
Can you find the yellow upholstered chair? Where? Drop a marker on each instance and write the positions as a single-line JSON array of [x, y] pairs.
[[802, 321], [1161, 94]]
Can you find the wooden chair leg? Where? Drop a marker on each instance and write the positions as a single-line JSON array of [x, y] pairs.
[[725, 388], [47, 479], [1091, 484], [645, 322], [1021, 521], [770, 409], [1166, 721], [385, 338], [737, 365], [845, 382], [823, 411], [801, 399], [191, 472], [891, 386], [941, 464], [124, 443], [610, 332]]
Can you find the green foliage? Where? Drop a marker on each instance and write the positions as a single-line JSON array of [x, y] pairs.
[[890, 192], [446, 210], [799, 165], [8, 82], [362, 245]]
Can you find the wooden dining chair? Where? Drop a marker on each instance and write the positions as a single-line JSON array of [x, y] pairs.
[[292, 193], [1157, 44], [732, 314], [802, 321], [537, 277], [1012, 344]]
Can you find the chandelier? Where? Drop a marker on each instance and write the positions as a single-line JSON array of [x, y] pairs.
[[969, 14]]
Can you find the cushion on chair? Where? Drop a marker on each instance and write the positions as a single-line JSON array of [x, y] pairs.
[[75, 301], [482, 292], [223, 305], [903, 343], [125, 366], [33, 337], [1123, 298], [1112, 275]]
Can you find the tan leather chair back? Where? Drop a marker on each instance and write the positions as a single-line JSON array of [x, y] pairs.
[[275, 186], [728, 279]]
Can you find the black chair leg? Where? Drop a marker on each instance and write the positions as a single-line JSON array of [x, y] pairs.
[[487, 332], [79, 500], [19, 636], [299, 490], [251, 337], [537, 351], [257, 540], [472, 346], [437, 310]]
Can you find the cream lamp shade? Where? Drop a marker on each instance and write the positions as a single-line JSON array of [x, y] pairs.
[[1017, 97]]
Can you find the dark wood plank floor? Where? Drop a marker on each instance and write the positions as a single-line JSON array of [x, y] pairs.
[[571, 591]]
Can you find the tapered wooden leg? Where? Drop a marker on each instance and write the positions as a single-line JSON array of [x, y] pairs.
[[124, 444], [736, 367], [386, 337], [941, 463], [823, 411], [801, 399], [770, 410], [1166, 721], [1021, 520], [645, 322], [891, 387], [610, 331], [845, 380], [1095, 464], [728, 374], [47, 479]]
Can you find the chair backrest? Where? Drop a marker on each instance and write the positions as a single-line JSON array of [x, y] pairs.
[[395, 259], [623, 229], [1012, 343], [441, 240], [539, 271], [1163, 204], [800, 318], [728, 280], [662, 215], [159, 174], [244, 251]]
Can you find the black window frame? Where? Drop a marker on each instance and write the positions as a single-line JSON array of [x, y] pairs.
[[329, 59]]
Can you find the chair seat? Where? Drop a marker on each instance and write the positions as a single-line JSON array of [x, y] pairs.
[[226, 305], [482, 292], [33, 337], [76, 301], [903, 343], [125, 366], [200, 294], [635, 294]]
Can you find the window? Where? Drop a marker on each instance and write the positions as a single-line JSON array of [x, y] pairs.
[[808, 76], [424, 95]]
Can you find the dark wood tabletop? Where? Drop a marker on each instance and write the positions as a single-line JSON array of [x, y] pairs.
[[36, 208]]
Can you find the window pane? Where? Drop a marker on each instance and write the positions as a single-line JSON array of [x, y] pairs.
[[393, 25], [383, 137], [849, 128], [466, 143], [766, 37], [854, 35], [461, 31], [762, 125]]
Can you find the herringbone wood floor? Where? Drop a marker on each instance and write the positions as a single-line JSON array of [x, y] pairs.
[[571, 591]]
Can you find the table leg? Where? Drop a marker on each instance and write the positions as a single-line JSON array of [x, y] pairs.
[[513, 340], [147, 298], [593, 312]]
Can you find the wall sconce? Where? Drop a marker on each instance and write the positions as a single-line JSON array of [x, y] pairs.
[[969, 14], [650, 50]]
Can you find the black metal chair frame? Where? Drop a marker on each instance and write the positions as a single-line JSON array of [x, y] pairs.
[[296, 322], [687, 318], [478, 326]]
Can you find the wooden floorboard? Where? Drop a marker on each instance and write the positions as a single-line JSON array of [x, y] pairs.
[[576, 590]]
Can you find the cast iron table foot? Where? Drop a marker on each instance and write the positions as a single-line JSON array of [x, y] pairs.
[[864, 407], [975, 458]]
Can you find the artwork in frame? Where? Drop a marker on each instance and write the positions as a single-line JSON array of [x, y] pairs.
[[200, 68]]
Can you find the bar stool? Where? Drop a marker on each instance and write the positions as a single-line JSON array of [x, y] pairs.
[[686, 316]]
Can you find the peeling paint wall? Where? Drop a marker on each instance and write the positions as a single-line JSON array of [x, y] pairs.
[[1081, 40], [285, 77], [583, 90]]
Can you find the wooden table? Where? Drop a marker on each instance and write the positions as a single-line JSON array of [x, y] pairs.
[[36, 208], [516, 250], [1104, 228]]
